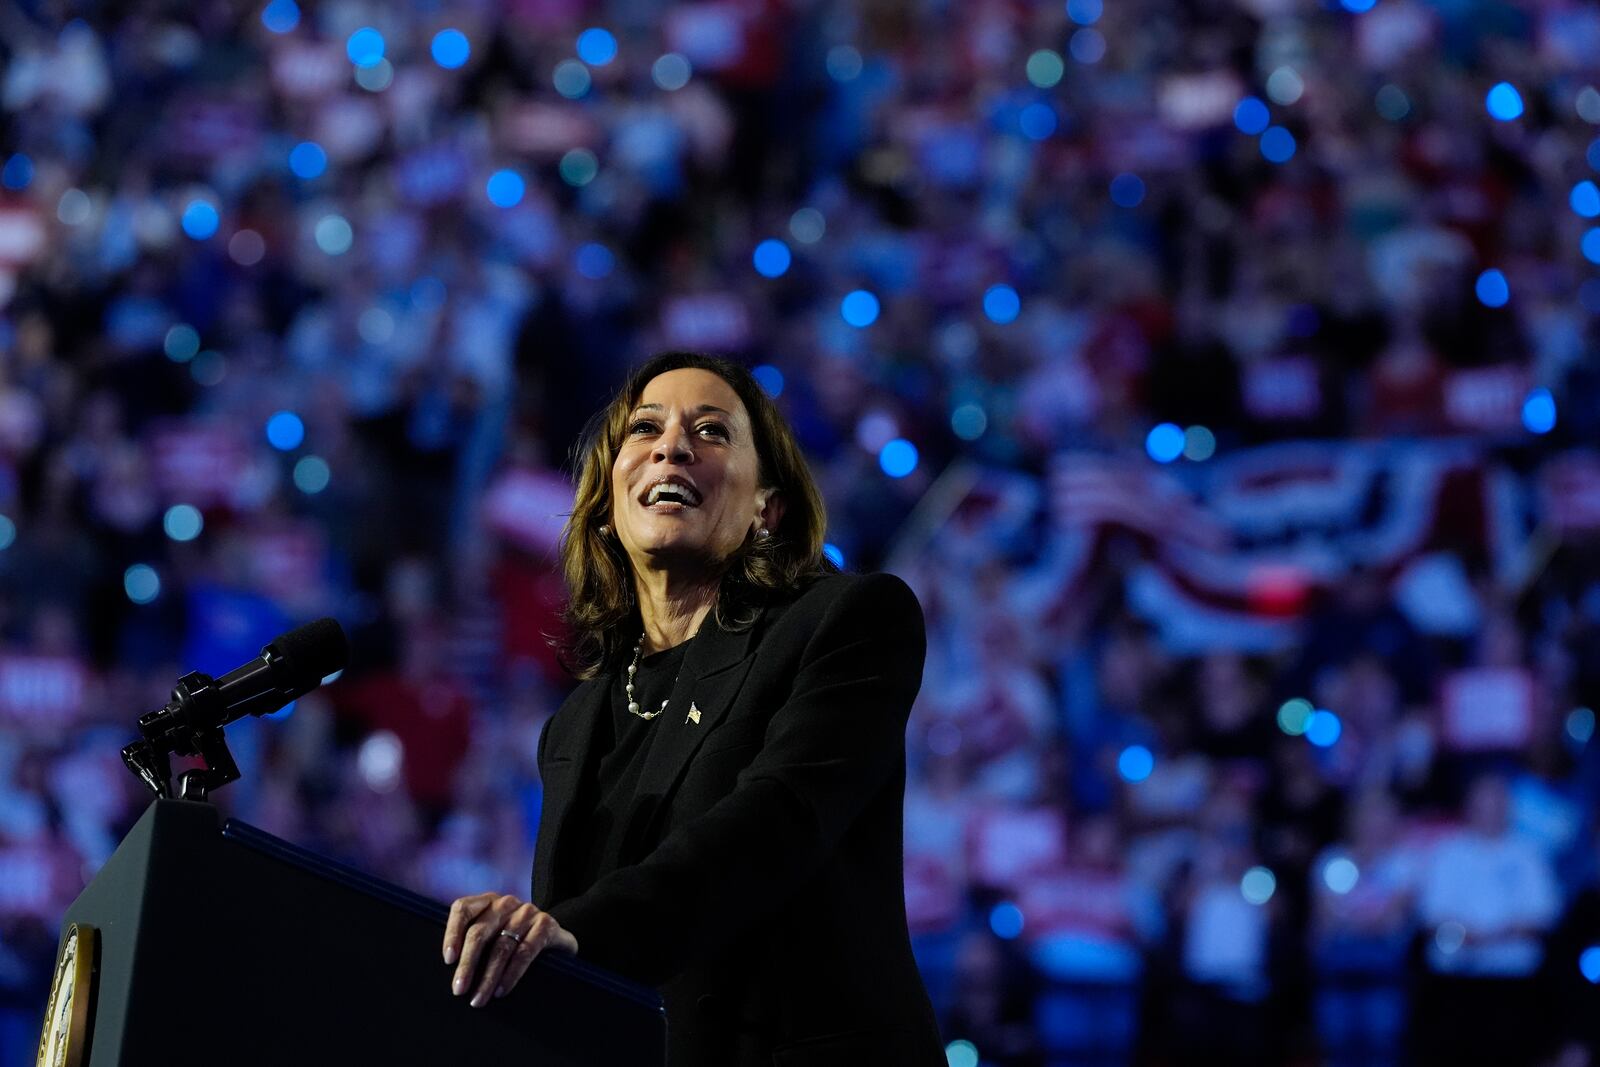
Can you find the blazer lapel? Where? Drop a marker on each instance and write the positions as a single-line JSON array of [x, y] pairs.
[[566, 769], [713, 671]]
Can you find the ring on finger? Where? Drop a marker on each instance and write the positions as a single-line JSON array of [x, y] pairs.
[[512, 935]]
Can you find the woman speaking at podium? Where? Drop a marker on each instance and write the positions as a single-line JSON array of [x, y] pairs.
[[723, 792]]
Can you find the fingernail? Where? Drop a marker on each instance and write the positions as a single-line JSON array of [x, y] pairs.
[[449, 955], [477, 1001], [457, 986], [500, 991]]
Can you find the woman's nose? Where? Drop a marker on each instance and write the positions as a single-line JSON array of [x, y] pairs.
[[673, 444]]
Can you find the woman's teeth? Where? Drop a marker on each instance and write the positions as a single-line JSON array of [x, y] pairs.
[[668, 493]]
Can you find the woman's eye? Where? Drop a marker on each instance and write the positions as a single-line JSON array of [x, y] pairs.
[[706, 427]]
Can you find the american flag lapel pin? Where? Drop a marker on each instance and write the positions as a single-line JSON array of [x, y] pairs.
[[694, 714]]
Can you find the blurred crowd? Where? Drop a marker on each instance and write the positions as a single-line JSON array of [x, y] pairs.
[[1221, 376]]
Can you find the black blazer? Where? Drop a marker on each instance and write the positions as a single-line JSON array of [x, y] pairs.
[[762, 880]]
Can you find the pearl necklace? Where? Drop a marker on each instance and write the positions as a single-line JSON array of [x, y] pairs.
[[633, 705]]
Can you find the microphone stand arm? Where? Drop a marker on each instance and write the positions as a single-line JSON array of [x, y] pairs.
[[190, 725]]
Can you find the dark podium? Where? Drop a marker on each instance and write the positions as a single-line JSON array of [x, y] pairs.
[[223, 946]]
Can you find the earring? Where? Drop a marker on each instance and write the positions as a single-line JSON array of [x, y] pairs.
[[762, 534], [605, 530]]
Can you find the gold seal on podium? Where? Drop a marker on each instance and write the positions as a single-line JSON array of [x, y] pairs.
[[65, 1038]]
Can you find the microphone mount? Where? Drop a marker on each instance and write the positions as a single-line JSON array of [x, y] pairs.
[[188, 726]]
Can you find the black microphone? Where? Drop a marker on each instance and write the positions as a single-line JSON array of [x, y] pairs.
[[289, 667]]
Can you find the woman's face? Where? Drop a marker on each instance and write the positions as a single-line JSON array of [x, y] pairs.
[[691, 436]]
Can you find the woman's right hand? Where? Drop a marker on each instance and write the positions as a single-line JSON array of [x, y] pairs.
[[502, 936]]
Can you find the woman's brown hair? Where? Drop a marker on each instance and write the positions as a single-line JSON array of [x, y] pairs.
[[601, 613]]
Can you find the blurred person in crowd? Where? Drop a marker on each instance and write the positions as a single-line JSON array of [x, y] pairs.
[[1224, 929], [745, 857], [1303, 811], [938, 818], [1002, 708], [1082, 934], [1355, 616], [1569, 978], [423, 704], [1363, 891], [993, 1005], [1231, 696], [1106, 690], [1487, 898]]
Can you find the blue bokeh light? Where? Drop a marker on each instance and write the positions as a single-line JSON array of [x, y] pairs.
[[859, 308], [334, 234], [1504, 102], [1593, 155], [595, 261], [1591, 244], [451, 49], [769, 378], [1340, 875], [505, 188], [311, 474], [181, 343], [308, 160], [1001, 304], [1358, 7], [8, 532], [1127, 190], [1589, 964], [844, 63], [898, 458], [1324, 728], [141, 583], [1251, 116], [1005, 919], [1135, 763], [1199, 444], [1277, 145], [961, 1053], [597, 46], [1085, 12], [365, 47], [1580, 725], [1037, 121], [17, 173], [572, 79], [1493, 289], [1539, 411], [281, 16], [969, 421], [183, 522], [1164, 443], [772, 258], [1392, 103], [200, 219], [578, 167], [671, 72], [834, 553], [285, 431], [1088, 46], [1294, 715], [1258, 885], [1585, 199]]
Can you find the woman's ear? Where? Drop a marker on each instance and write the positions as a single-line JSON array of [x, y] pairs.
[[771, 511]]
